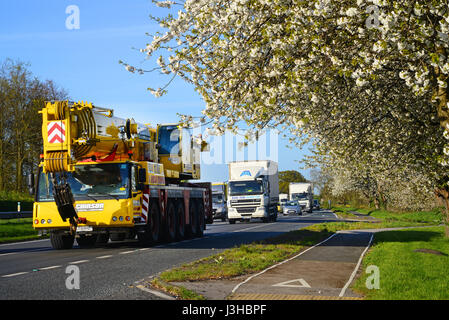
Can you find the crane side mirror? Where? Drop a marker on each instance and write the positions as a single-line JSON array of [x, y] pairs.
[[142, 175]]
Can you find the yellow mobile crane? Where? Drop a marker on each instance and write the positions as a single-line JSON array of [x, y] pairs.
[[105, 177]]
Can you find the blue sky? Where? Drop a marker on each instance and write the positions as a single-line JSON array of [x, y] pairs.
[[85, 61]]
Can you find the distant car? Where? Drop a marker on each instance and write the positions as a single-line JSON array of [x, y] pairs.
[[316, 204], [291, 207], [281, 204]]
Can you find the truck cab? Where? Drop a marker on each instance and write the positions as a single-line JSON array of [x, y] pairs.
[[253, 191], [303, 193]]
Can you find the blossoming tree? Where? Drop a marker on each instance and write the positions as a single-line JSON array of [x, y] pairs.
[[356, 76]]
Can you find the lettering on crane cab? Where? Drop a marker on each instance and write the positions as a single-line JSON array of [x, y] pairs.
[[89, 206], [245, 173]]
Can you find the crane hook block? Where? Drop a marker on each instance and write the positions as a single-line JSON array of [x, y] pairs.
[[65, 202]]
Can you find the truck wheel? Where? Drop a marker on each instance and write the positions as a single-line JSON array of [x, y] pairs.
[[153, 226], [192, 228], [181, 221], [170, 222], [231, 221], [201, 219], [61, 241], [102, 238], [86, 241]]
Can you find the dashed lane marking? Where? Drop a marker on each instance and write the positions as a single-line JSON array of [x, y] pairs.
[[14, 274], [79, 261], [104, 257], [51, 267]]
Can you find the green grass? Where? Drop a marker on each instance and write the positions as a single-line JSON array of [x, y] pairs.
[[176, 291], [256, 256], [15, 196], [247, 258], [405, 274], [434, 216], [17, 230]]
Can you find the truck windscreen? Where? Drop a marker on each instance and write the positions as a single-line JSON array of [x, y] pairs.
[[217, 198], [245, 187], [300, 196], [91, 182]]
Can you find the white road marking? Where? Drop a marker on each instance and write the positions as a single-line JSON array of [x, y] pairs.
[[78, 262], [22, 242], [104, 257], [260, 226], [282, 262], [302, 284], [126, 252], [49, 268], [342, 293], [156, 293], [25, 251], [14, 274]]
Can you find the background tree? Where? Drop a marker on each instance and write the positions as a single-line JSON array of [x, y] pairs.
[[21, 97], [285, 177], [366, 80]]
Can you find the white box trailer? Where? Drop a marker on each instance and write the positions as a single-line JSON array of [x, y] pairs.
[[253, 190], [303, 192]]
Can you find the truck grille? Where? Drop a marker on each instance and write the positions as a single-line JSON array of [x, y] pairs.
[[246, 210], [246, 201]]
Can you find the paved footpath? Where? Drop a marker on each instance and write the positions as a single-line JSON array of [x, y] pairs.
[[324, 271]]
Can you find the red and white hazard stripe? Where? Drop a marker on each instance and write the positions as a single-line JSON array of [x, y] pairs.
[[145, 205], [56, 131]]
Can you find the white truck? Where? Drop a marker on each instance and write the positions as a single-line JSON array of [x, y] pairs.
[[303, 192], [253, 190], [219, 201], [283, 198]]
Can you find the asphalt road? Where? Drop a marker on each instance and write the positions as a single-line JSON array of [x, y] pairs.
[[33, 270]]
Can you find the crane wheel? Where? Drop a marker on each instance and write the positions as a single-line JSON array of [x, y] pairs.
[[181, 221], [170, 222], [152, 229], [61, 241], [200, 220], [192, 229]]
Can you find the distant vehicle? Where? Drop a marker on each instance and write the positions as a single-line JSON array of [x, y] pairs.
[[316, 204], [303, 192], [283, 198], [219, 201], [253, 190], [292, 207]]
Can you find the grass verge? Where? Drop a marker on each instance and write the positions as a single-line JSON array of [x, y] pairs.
[[406, 274], [247, 258], [256, 256], [12, 230], [176, 291], [422, 217]]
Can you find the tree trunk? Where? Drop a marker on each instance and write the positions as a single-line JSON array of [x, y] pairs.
[[376, 203], [444, 195]]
